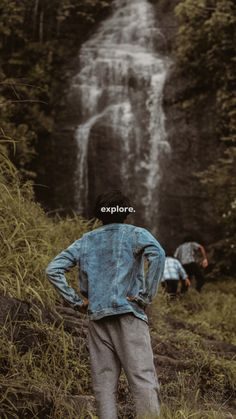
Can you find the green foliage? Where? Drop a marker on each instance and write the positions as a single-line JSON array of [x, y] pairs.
[[206, 57], [206, 53], [197, 331], [29, 239], [42, 365], [36, 39], [220, 181], [50, 367]]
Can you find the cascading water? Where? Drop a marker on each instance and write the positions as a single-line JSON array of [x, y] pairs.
[[119, 87]]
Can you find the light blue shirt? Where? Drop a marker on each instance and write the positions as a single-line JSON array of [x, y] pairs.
[[173, 270], [187, 252], [110, 260]]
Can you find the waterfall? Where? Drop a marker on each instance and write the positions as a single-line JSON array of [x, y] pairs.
[[119, 87]]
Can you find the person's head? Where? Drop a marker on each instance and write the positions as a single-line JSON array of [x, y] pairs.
[[112, 207]]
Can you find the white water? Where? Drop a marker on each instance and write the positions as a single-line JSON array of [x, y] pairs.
[[119, 85]]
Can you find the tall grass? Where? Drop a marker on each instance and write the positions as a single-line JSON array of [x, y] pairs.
[[35, 381], [199, 330], [29, 239], [43, 368]]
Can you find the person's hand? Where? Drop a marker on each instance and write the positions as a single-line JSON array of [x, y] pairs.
[[187, 282], [130, 298], [205, 263], [84, 307], [85, 302]]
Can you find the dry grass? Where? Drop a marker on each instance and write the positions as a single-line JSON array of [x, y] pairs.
[[43, 367], [29, 239], [198, 331]]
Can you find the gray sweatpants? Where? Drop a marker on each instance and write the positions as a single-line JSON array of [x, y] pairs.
[[122, 341]]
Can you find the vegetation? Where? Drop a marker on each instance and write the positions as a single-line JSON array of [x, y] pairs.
[[43, 356], [29, 238], [36, 39], [40, 362], [194, 341], [44, 359], [205, 54]]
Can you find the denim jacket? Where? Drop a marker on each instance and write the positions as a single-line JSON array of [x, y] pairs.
[[110, 260]]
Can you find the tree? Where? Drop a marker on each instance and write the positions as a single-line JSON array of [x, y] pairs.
[[205, 55]]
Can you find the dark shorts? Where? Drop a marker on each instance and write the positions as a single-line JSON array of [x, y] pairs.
[[194, 270]]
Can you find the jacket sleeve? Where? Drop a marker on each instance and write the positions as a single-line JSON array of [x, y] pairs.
[[57, 268], [150, 249]]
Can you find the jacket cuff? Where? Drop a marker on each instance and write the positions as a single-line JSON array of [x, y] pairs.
[[142, 301], [78, 306]]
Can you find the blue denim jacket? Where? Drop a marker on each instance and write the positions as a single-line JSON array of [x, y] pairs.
[[111, 267]]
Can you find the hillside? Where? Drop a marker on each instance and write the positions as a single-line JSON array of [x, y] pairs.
[[44, 360], [39, 45], [44, 364]]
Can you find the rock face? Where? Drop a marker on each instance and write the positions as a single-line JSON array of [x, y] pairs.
[[124, 122], [121, 132], [184, 206], [110, 130]]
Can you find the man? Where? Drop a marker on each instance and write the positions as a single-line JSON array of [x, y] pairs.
[[116, 293], [174, 274], [188, 255]]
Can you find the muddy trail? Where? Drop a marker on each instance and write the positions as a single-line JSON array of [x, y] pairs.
[[188, 360]]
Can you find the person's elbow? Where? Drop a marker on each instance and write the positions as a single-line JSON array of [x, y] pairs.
[[161, 255], [157, 252], [50, 270], [158, 257]]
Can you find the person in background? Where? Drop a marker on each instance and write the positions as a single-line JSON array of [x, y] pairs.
[[115, 292], [188, 254], [174, 274]]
